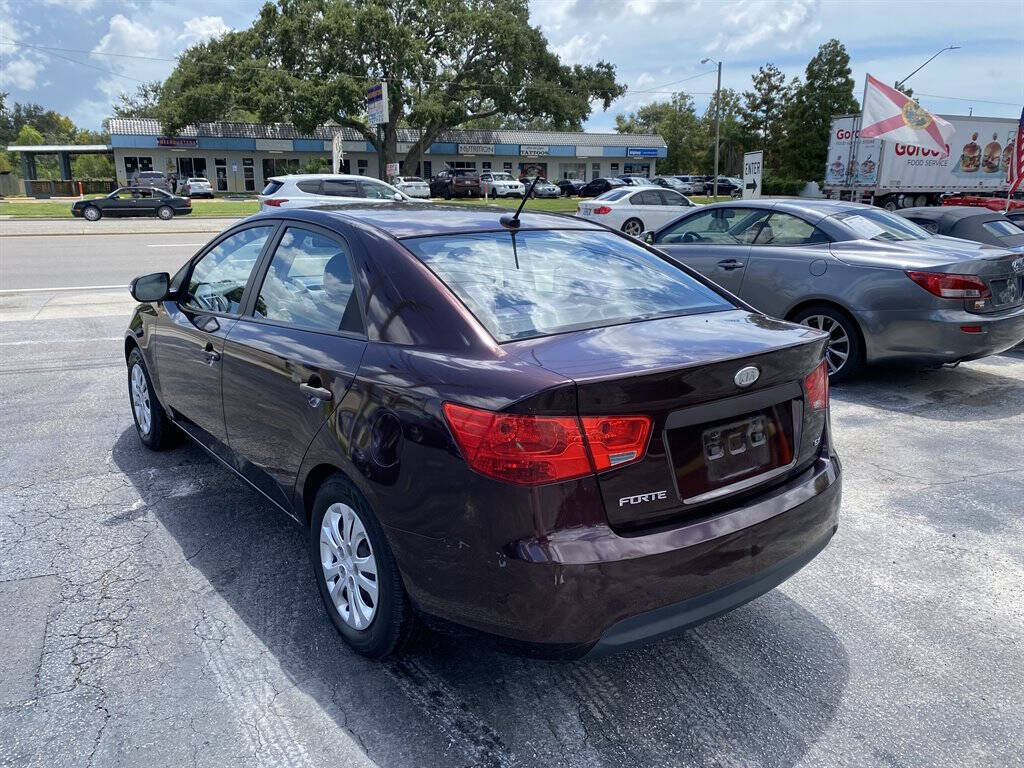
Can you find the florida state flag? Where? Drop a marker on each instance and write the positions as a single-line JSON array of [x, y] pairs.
[[1015, 166], [889, 114]]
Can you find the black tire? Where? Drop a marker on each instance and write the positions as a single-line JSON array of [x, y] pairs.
[[854, 349], [447, 193], [92, 213], [394, 622], [633, 227], [160, 433], [165, 212]]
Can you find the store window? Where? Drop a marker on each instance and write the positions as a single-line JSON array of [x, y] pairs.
[[345, 166], [279, 166], [615, 169], [428, 169], [638, 169], [221, 166], [249, 174], [135, 165], [595, 171], [190, 167], [486, 165], [507, 166], [468, 165], [361, 165]]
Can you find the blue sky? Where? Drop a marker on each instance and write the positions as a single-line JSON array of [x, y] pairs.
[[655, 44]]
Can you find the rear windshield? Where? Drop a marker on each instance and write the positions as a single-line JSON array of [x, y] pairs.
[[1000, 227], [555, 281], [875, 224], [613, 194], [272, 187]]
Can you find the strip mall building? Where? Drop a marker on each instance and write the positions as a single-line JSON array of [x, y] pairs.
[[239, 157]]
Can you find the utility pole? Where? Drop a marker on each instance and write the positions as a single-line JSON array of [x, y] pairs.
[[718, 108]]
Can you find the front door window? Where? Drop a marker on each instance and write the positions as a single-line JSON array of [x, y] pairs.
[[221, 164], [218, 279]]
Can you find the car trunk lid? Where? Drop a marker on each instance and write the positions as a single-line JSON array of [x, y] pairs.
[[710, 439]]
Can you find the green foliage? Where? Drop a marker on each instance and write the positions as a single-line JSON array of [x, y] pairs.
[[316, 165], [92, 167], [827, 90], [675, 121], [763, 113], [6, 162], [734, 137], [143, 103], [447, 63], [774, 185]]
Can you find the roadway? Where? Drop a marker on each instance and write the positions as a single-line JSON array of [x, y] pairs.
[[158, 612]]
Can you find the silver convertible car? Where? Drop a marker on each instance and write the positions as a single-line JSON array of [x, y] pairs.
[[882, 287]]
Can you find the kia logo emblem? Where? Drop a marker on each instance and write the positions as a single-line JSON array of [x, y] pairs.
[[746, 376]]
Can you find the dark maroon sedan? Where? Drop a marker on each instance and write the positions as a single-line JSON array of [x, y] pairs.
[[545, 432]]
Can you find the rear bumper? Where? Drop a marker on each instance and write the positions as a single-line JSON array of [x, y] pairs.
[[937, 336], [587, 590]]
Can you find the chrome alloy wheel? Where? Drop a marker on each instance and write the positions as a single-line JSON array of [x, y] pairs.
[[140, 399], [633, 228], [838, 350], [350, 568]]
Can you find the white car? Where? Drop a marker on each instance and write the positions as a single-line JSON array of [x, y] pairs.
[[413, 186], [500, 184], [635, 209], [307, 190], [197, 186]]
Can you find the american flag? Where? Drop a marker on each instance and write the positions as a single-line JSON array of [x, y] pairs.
[[1015, 168]]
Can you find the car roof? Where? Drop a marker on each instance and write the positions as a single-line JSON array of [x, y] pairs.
[[423, 219], [810, 207], [320, 176]]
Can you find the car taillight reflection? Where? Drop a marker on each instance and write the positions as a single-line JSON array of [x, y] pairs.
[[275, 202]]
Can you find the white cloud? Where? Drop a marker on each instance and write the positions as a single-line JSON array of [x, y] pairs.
[[578, 48], [787, 23], [21, 73], [125, 36], [203, 28]]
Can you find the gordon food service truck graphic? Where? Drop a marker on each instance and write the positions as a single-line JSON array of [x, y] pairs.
[[977, 157]]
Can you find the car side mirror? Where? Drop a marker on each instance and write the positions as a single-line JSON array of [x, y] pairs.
[[648, 237], [154, 287], [398, 197]]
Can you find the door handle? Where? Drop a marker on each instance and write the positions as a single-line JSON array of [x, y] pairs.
[[212, 355], [729, 264], [318, 392]]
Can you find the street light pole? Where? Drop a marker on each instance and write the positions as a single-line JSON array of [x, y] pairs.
[[718, 107], [900, 83]]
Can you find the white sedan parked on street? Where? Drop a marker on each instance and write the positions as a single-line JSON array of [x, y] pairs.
[[306, 190], [413, 186], [635, 209]]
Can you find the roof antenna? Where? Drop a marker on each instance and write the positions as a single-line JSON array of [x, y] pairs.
[[512, 222]]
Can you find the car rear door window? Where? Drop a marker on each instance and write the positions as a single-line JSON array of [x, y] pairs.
[[218, 279], [340, 188], [272, 187], [668, 197], [784, 229], [309, 187], [647, 197], [376, 191], [553, 281], [309, 284]]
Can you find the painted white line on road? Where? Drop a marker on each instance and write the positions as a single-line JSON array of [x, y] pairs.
[[174, 245], [70, 288], [58, 341]]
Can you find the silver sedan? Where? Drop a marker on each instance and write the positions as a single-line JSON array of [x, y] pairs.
[[883, 288]]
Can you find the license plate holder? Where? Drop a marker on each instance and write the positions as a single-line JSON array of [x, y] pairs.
[[737, 449], [1006, 291]]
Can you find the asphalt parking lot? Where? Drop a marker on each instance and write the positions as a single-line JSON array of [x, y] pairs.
[[159, 613]]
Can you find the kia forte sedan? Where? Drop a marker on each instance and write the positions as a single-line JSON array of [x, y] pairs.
[[534, 427], [883, 288]]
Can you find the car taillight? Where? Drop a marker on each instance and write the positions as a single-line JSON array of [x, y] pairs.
[[601, 209], [616, 440], [816, 387], [275, 202], [528, 450], [188, 202], [947, 286]]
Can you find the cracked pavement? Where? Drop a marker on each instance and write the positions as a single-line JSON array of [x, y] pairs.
[[160, 613]]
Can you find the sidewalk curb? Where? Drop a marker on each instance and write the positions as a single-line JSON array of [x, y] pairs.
[[217, 223]]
